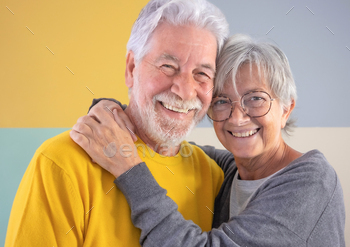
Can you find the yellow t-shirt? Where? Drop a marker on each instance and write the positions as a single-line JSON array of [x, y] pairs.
[[66, 200]]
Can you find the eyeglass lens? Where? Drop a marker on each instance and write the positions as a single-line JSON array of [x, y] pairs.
[[255, 104]]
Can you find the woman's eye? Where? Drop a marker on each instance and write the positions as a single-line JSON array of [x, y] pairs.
[[255, 101], [221, 102], [256, 98]]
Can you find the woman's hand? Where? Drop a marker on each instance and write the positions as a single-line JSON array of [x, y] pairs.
[[109, 106], [104, 136]]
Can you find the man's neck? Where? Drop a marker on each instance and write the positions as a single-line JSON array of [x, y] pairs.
[[160, 148]]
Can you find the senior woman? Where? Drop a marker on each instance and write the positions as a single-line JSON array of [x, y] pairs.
[[272, 195]]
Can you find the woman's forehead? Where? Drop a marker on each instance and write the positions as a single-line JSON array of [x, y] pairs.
[[248, 78], [251, 72]]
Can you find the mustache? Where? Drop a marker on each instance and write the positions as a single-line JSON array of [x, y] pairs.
[[176, 101]]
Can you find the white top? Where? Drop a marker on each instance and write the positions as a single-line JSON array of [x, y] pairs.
[[242, 191]]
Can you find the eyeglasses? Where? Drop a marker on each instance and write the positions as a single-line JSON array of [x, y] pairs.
[[255, 104]]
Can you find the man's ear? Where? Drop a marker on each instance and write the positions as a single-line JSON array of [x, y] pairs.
[[286, 113], [129, 70]]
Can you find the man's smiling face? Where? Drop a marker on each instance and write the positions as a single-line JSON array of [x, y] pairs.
[[171, 85]]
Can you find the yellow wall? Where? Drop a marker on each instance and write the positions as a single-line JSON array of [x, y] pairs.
[[88, 37]]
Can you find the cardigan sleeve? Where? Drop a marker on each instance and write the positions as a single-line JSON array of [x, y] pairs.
[[294, 208]]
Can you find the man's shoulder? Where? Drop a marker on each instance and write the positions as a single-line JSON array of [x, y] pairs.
[[61, 149], [190, 149], [198, 156]]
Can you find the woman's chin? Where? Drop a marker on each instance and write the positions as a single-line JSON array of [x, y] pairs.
[[243, 152]]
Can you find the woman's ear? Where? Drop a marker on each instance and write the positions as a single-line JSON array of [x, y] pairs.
[[286, 113], [129, 70]]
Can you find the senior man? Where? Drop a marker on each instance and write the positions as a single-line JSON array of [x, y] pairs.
[[64, 200]]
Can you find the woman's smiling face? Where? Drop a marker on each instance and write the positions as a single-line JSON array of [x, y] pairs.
[[248, 137]]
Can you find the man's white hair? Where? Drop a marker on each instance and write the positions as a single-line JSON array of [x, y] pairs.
[[199, 13]]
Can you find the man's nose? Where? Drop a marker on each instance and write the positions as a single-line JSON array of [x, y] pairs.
[[185, 86]]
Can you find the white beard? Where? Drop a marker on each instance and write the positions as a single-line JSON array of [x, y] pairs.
[[159, 128]]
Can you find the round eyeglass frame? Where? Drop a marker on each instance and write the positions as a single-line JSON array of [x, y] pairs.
[[241, 101]]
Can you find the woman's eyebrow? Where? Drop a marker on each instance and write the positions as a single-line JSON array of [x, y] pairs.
[[223, 95], [254, 89]]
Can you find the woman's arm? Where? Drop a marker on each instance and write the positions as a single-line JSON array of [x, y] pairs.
[[156, 214], [292, 209], [162, 225], [222, 157], [110, 101]]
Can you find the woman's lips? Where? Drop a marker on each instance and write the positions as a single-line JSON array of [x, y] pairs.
[[244, 134]]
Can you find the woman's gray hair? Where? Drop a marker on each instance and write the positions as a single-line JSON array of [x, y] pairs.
[[200, 13], [272, 64]]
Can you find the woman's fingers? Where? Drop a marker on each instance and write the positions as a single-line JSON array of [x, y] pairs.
[[104, 105], [119, 114], [106, 140], [106, 110], [128, 124], [102, 116], [121, 119], [82, 131], [80, 139], [82, 127]]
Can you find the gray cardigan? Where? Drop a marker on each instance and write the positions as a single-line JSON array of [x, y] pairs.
[[299, 206]]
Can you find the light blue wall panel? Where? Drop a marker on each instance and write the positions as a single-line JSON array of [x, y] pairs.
[[17, 147]]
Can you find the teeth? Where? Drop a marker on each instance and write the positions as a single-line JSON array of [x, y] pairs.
[[173, 108], [245, 134]]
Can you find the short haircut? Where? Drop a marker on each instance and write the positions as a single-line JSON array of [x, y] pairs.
[[199, 13], [271, 62]]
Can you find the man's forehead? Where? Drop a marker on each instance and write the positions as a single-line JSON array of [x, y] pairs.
[[183, 43], [169, 29]]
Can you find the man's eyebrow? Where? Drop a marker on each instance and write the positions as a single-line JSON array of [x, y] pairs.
[[166, 56]]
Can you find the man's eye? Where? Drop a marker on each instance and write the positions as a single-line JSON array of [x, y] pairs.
[[202, 77], [168, 69], [167, 66]]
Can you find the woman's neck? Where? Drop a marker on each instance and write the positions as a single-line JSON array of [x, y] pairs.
[[266, 164]]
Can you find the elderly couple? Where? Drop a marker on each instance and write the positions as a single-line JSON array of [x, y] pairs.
[[80, 190]]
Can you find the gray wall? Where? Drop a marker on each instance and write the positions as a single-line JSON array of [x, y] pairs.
[[319, 58]]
